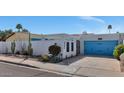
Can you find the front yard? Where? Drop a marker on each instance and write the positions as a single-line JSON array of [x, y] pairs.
[[55, 57], [105, 63], [80, 65]]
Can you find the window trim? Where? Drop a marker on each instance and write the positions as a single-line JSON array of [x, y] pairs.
[[72, 46]]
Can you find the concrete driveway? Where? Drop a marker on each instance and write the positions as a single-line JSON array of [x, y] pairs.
[[98, 63]]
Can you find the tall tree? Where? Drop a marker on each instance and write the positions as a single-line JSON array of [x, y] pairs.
[[19, 27], [5, 33], [25, 30], [109, 27]]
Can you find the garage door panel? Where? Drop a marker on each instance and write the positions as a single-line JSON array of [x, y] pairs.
[[99, 47]]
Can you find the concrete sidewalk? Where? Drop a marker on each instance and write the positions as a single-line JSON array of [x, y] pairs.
[[42, 65], [72, 70]]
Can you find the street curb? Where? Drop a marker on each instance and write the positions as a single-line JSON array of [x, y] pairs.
[[37, 68], [18, 64]]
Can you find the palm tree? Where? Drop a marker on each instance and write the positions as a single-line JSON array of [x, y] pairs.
[[19, 27], [109, 27]]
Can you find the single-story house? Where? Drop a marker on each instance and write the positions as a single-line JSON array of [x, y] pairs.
[[63, 36], [99, 44], [24, 36], [71, 45]]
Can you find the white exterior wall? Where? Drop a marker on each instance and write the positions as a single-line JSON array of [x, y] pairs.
[[39, 47], [94, 37], [70, 53]]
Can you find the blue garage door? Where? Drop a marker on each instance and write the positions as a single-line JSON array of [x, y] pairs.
[[99, 47]]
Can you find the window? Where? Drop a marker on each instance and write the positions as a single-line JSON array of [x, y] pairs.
[[67, 47], [99, 38], [72, 46]]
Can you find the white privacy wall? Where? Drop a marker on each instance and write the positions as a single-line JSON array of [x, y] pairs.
[[39, 47]]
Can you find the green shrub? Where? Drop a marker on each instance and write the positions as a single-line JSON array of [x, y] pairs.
[[118, 51], [6, 50], [30, 49], [44, 58], [25, 52], [23, 47], [54, 50], [13, 45], [55, 59], [17, 52]]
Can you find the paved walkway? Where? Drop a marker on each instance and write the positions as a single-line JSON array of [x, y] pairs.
[[87, 66]]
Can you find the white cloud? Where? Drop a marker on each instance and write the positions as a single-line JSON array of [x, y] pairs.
[[90, 18]]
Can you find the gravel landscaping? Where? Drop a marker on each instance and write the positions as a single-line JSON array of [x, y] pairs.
[[70, 60]]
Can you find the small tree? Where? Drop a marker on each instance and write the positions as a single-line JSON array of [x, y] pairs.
[[54, 50], [13, 45]]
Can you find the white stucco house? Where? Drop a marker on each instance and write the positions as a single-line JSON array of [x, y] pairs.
[[86, 44], [99, 44]]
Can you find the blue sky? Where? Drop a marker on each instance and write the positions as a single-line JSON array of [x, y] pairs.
[[64, 24]]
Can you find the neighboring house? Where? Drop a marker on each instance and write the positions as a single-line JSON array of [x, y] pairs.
[[7, 36], [99, 44], [24, 36], [63, 36]]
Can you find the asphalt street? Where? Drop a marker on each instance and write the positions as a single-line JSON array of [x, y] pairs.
[[12, 70]]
